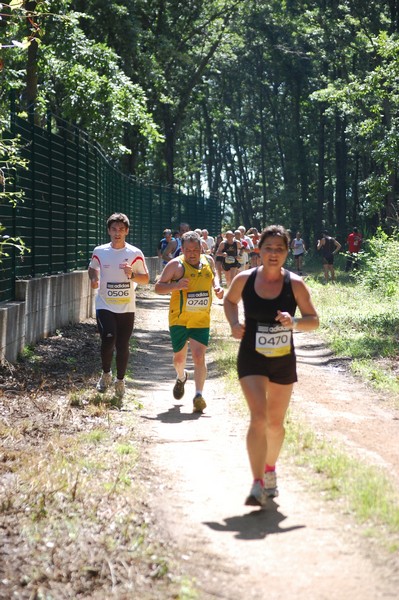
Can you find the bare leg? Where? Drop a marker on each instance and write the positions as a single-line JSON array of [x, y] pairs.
[[230, 274], [200, 371], [179, 361], [218, 265], [268, 403]]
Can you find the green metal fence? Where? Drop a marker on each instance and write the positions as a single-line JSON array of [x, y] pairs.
[[70, 188]]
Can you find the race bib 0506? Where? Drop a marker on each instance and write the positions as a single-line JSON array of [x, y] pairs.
[[197, 301], [118, 293], [273, 340]]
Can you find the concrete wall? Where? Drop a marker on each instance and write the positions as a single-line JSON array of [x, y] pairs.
[[44, 304]]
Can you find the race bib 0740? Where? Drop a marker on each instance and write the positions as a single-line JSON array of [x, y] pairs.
[[273, 340], [197, 301], [118, 293]]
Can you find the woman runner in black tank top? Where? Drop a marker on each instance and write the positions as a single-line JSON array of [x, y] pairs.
[[267, 348], [266, 358]]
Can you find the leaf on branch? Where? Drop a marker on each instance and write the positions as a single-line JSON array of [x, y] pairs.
[[24, 45], [16, 4]]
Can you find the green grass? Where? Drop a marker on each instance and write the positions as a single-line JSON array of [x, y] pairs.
[[364, 491], [362, 326]]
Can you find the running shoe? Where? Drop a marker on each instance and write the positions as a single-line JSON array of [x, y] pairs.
[[104, 382], [257, 495], [270, 483], [119, 388], [178, 390], [199, 403]]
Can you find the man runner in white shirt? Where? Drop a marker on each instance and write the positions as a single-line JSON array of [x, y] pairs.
[[115, 270]]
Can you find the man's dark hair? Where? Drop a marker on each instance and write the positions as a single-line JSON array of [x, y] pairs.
[[355, 229], [118, 218]]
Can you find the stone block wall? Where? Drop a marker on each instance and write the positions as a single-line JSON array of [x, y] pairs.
[[44, 304]]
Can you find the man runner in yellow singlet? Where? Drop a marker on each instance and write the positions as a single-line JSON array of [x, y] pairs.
[[190, 279]]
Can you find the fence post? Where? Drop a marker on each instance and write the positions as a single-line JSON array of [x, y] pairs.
[[32, 166], [50, 191], [14, 187]]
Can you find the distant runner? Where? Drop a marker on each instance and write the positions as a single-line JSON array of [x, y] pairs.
[[298, 249], [329, 247]]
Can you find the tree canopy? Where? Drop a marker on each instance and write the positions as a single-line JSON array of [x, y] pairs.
[[287, 110]]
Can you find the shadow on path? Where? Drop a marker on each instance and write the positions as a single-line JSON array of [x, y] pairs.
[[255, 525], [174, 415]]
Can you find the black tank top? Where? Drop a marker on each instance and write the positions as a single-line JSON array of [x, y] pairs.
[[329, 246], [261, 310], [231, 249]]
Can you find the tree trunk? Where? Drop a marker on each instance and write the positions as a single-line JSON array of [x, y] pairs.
[[341, 159], [30, 92], [321, 171]]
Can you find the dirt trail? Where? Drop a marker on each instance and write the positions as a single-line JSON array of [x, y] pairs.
[[301, 546]]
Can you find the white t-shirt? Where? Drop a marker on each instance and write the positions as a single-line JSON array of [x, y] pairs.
[[209, 241], [298, 246], [249, 241], [116, 291]]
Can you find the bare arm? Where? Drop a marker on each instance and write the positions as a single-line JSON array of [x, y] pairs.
[[231, 301], [219, 291], [171, 278], [94, 278], [220, 250], [309, 319], [141, 278], [337, 247], [170, 248]]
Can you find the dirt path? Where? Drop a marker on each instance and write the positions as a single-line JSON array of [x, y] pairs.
[[301, 547]]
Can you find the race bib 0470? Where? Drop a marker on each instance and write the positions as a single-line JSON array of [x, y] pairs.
[[273, 340], [197, 301]]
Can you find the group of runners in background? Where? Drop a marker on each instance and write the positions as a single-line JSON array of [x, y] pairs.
[[194, 262], [233, 251]]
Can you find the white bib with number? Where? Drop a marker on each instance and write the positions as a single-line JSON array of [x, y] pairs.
[[229, 260], [197, 301], [273, 340], [118, 293]]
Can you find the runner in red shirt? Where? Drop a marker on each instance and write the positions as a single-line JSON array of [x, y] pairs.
[[354, 241]]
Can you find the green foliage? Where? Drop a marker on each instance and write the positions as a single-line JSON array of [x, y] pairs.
[[287, 110], [84, 82], [10, 159], [380, 265], [357, 321]]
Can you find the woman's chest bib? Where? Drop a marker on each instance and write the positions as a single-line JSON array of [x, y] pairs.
[[273, 340]]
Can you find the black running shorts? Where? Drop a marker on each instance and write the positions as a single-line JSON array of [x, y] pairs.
[[280, 370]]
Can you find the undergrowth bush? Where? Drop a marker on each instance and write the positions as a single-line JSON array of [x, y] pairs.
[[380, 264]]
